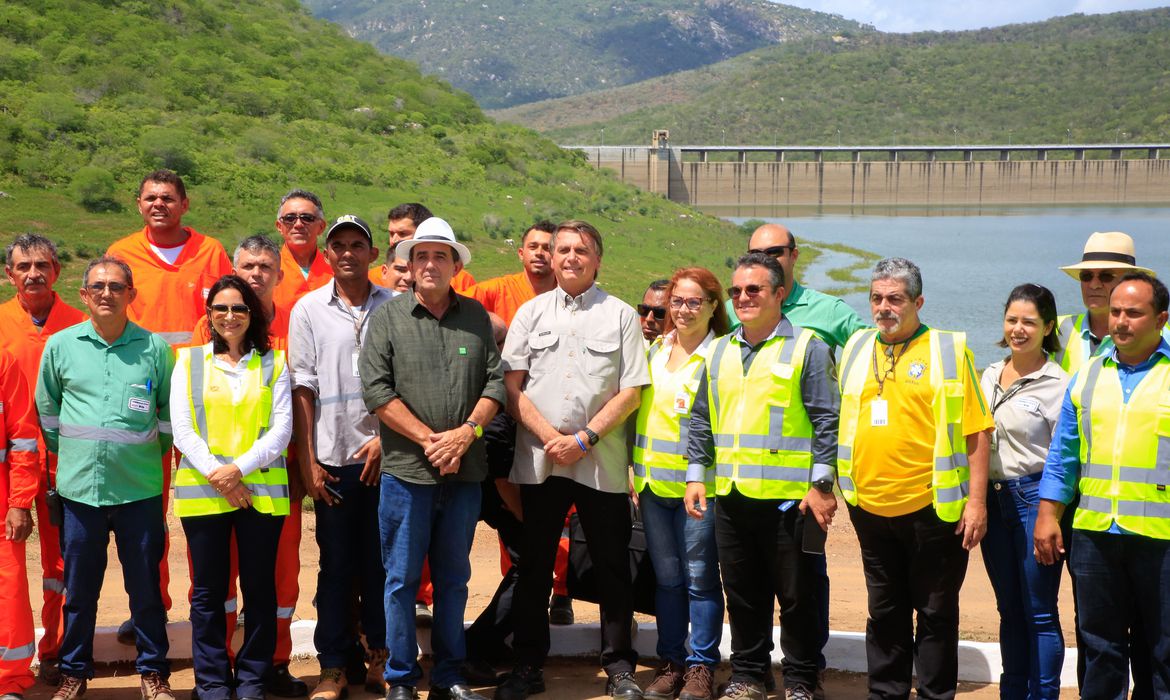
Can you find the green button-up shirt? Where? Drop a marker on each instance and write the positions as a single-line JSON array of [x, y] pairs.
[[440, 368], [828, 316], [104, 412]]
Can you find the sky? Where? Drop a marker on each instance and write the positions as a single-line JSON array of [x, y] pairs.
[[919, 15]]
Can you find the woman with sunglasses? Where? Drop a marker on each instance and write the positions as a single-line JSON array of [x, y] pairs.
[[1025, 392], [231, 412], [681, 548]]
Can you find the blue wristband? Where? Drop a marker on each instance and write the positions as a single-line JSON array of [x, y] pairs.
[[581, 444]]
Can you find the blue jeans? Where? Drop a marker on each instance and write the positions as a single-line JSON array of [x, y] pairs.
[[347, 536], [1120, 577], [139, 534], [1030, 641], [686, 565], [419, 521]]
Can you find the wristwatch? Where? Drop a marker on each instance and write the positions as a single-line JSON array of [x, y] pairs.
[[475, 427], [593, 437], [823, 485]]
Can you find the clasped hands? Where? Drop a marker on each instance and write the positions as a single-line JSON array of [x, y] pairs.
[[445, 450], [228, 481]]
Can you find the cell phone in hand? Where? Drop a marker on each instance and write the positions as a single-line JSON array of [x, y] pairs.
[[334, 493]]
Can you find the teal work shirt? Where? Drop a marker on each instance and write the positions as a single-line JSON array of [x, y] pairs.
[[105, 413], [829, 317]]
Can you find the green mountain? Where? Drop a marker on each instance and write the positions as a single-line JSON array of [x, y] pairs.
[[1084, 78], [509, 52], [247, 100]]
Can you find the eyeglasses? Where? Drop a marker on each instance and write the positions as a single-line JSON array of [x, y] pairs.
[[235, 309], [113, 287], [1105, 276], [291, 219], [658, 311], [772, 251], [692, 303], [751, 290]]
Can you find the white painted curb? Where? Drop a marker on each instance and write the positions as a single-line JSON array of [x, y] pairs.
[[979, 662]]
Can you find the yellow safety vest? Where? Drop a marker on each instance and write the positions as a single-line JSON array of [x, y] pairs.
[[762, 433], [663, 425], [950, 480], [230, 427], [1075, 348], [1125, 450]]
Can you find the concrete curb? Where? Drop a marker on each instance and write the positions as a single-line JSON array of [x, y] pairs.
[[979, 662]]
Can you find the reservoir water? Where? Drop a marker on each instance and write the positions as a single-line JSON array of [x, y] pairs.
[[970, 262]]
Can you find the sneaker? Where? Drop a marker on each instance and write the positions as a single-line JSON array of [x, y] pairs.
[[126, 634], [49, 672], [375, 670], [668, 680], [698, 683], [798, 692], [332, 686], [622, 685], [283, 684], [422, 615], [743, 690], [560, 610], [523, 681], [155, 687], [71, 687]]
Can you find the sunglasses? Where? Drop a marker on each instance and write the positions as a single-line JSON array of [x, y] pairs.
[[1105, 277], [772, 251], [291, 219], [692, 303], [114, 287], [658, 311], [236, 309], [751, 290]]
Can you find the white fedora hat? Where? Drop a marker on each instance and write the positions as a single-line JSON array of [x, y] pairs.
[[1112, 250]]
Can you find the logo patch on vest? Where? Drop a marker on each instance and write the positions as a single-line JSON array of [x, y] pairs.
[[916, 370]]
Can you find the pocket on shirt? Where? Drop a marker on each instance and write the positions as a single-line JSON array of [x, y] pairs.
[[138, 410], [542, 345], [780, 393], [602, 357]]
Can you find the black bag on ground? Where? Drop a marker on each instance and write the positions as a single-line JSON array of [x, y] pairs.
[[581, 578]]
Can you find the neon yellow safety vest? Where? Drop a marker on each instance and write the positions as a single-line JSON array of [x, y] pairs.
[[663, 425], [1075, 348], [230, 427], [1125, 449], [950, 480], [762, 433]]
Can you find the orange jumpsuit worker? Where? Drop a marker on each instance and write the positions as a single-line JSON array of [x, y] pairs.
[[28, 320], [300, 220], [174, 266], [18, 487]]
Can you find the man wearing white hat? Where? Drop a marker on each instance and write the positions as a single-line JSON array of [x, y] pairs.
[[431, 372], [1107, 257]]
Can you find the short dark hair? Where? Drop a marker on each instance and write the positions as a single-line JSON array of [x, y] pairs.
[[167, 177], [543, 225], [411, 210], [256, 337], [1161, 295], [775, 272], [28, 242], [305, 195], [1045, 304], [658, 286], [108, 260]]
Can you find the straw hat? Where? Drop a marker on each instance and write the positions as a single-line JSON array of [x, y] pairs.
[[1112, 250]]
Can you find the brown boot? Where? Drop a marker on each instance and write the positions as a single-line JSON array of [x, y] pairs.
[[375, 669], [155, 687], [71, 688], [667, 681], [332, 685], [697, 683]]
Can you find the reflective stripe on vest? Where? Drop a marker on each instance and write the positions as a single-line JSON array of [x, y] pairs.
[[662, 428], [1124, 451], [950, 476], [268, 485], [761, 431], [20, 653]]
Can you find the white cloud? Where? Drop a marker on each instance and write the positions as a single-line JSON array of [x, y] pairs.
[[919, 15]]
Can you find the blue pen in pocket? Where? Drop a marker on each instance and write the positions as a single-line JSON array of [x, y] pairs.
[[148, 385]]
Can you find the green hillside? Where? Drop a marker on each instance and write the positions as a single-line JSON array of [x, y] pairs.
[[1084, 78], [248, 100], [509, 52]]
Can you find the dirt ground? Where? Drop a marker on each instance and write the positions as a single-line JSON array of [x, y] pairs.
[[979, 619]]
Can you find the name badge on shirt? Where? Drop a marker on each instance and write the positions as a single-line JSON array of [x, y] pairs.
[[879, 413], [1028, 403], [139, 404], [682, 402], [354, 360]]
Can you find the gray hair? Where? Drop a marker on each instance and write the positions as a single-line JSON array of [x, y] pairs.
[[775, 271], [902, 270], [302, 194], [108, 260], [28, 242], [255, 245]]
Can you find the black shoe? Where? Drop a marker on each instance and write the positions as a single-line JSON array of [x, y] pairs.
[[403, 692], [459, 691], [520, 683], [49, 672], [479, 672], [126, 633], [560, 610], [355, 665], [622, 685], [282, 684]]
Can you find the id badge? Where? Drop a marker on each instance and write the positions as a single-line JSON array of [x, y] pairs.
[[879, 413], [682, 402], [354, 360]]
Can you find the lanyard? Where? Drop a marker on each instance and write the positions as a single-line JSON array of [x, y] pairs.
[[357, 320], [1015, 389], [881, 378]]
